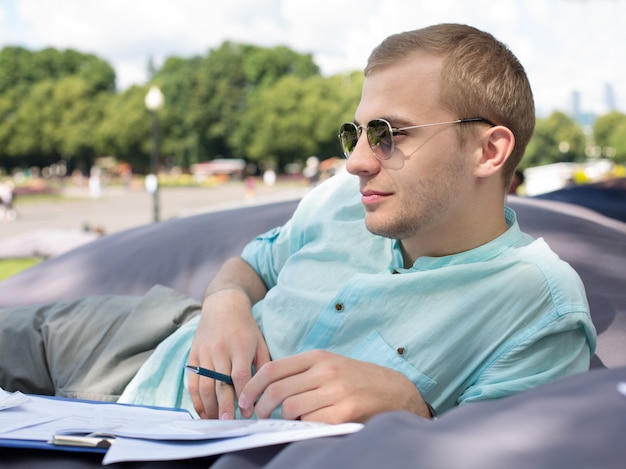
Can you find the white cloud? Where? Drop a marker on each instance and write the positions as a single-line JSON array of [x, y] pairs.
[[565, 45]]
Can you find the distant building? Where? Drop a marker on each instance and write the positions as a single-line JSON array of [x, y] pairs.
[[587, 119], [576, 104], [584, 119], [609, 97]]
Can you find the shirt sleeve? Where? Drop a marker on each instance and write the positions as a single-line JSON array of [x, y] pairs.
[[563, 347], [268, 253]]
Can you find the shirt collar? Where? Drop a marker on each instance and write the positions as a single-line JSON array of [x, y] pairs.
[[513, 236]]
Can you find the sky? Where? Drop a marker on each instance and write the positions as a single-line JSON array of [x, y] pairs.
[[566, 46]]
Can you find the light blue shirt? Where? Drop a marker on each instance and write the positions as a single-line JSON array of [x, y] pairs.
[[482, 324]]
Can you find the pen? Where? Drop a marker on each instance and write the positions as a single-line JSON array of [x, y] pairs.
[[210, 374]]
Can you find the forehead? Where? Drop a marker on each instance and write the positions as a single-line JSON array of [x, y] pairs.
[[407, 90]]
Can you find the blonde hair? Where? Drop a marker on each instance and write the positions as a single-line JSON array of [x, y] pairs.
[[480, 77]]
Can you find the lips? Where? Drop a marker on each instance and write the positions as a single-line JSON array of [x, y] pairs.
[[370, 196]]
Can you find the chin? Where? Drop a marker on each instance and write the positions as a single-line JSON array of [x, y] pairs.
[[375, 226]]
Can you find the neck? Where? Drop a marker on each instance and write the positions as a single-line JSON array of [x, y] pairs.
[[461, 231]]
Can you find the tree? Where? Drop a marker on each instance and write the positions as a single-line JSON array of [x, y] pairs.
[[124, 131], [178, 79], [35, 122], [211, 103], [50, 103], [81, 111], [556, 139], [56, 120], [297, 118], [609, 132], [16, 69], [23, 68], [8, 128]]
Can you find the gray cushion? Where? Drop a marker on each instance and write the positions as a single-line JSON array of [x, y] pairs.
[[183, 254], [576, 422]]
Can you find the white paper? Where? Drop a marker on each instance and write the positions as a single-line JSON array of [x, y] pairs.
[[41, 417], [9, 400], [189, 430], [158, 434], [130, 449]]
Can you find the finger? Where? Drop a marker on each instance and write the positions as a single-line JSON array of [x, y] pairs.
[[225, 394], [193, 386], [241, 373], [315, 405], [202, 396], [292, 391], [254, 388], [261, 359], [201, 389], [208, 396], [333, 403], [273, 382], [330, 414], [314, 393]]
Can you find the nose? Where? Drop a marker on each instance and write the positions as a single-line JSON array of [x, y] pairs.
[[362, 161]]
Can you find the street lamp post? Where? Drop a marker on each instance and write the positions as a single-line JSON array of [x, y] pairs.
[[154, 102]]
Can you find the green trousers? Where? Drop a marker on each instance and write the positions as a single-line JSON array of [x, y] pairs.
[[89, 348]]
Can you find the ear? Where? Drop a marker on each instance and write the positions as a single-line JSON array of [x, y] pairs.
[[497, 144]]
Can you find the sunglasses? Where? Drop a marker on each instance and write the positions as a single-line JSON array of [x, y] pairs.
[[380, 135]]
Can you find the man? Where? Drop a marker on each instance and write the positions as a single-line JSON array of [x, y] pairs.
[[441, 301], [404, 285]]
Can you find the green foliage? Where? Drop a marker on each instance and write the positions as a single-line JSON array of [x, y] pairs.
[[556, 139], [178, 78], [268, 105], [56, 119], [610, 135], [207, 96], [294, 118], [22, 68], [266, 66], [124, 130], [17, 69], [50, 105]]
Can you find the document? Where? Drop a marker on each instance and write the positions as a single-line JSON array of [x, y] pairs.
[[182, 439], [136, 433], [33, 421], [265, 434]]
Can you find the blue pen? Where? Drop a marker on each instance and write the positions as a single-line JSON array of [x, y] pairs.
[[210, 374]]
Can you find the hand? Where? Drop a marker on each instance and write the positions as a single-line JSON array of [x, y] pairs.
[[326, 387], [227, 340]]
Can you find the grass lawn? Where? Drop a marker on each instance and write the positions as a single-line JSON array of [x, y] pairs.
[[9, 267]]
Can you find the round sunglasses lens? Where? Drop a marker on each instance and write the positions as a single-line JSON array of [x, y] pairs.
[[380, 138], [348, 137]]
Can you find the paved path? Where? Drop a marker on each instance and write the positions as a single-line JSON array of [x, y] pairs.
[[62, 222]]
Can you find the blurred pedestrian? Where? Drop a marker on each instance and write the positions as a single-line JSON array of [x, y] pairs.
[[7, 197]]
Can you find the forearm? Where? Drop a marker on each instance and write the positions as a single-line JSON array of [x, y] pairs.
[[237, 275]]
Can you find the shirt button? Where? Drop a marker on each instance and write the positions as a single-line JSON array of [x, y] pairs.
[[339, 307], [401, 351]]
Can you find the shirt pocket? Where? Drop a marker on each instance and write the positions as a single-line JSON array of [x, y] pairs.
[[374, 349]]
